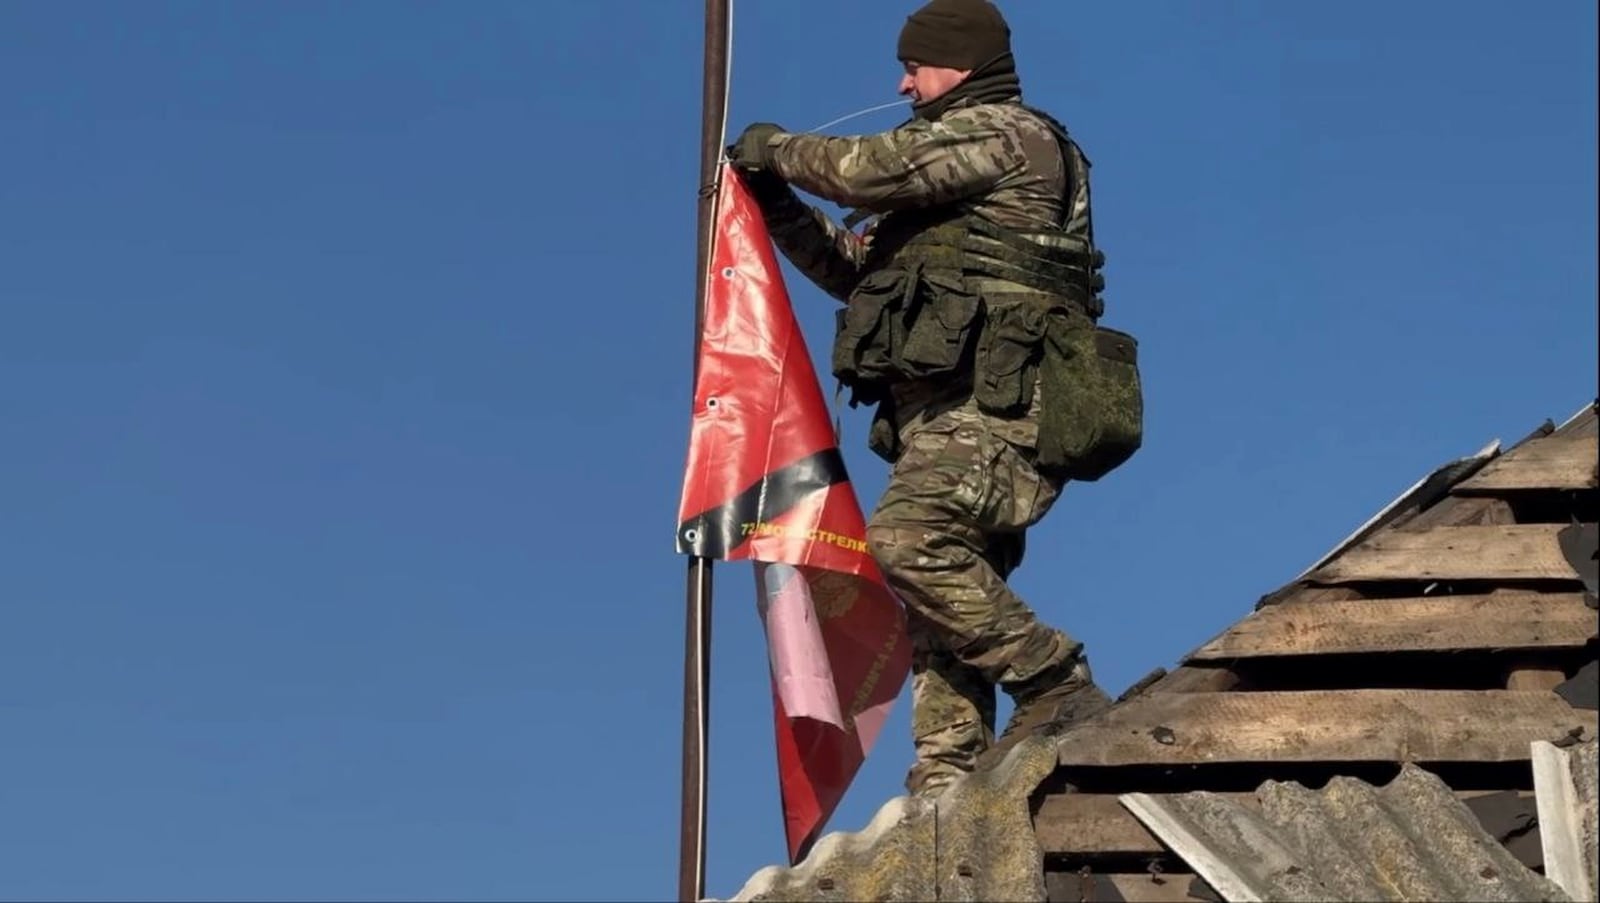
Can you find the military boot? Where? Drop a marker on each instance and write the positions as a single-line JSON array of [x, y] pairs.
[[1053, 700]]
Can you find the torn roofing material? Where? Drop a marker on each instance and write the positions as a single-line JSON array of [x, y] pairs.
[[1409, 840]]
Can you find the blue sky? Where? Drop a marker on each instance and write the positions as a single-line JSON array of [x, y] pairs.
[[344, 380]]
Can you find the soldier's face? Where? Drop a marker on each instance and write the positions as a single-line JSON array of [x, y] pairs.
[[924, 83]]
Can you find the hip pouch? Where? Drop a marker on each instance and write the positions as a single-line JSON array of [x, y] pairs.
[[1091, 416]]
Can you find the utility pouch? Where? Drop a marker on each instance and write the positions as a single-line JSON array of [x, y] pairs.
[[1009, 350], [869, 332], [1092, 407], [942, 324]]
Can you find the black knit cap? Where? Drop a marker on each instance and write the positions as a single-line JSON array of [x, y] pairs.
[[955, 34]]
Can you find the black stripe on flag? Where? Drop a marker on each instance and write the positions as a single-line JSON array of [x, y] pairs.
[[713, 533]]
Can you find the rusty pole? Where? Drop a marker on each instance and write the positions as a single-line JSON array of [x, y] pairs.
[[697, 602]]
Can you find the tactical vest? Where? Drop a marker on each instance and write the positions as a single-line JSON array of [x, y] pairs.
[[949, 296], [938, 281]]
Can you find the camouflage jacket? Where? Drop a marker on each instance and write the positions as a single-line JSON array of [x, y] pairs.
[[996, 160]]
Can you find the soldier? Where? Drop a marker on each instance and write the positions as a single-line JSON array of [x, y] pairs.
[[970, 299]]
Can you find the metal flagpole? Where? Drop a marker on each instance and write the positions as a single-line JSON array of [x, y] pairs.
[[697, 601]]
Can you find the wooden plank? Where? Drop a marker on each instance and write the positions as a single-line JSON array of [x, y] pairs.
[[1097, 824], [1502, 620], [1323, 726], [1196, 679], [1293, 593], [1583, 424], [1147, 888], [1534, 678], [1461, 511], [1554, 462], [1422, 495], [1511, 552], [1142, 887]]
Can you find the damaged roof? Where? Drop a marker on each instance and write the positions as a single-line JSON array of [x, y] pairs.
[[1409, 840], [1421, 661], [975, 842]]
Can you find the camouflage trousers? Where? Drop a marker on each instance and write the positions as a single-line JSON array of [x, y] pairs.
[[947, 532]]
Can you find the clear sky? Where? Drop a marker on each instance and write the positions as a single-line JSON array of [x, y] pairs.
[[344, 381]]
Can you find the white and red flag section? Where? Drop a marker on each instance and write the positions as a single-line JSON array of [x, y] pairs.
[[765, 483]]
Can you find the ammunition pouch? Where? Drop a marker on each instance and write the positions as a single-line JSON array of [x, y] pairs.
[[866, 336], [1091, 416], [904, 324], [1009, 351], [943, 325]]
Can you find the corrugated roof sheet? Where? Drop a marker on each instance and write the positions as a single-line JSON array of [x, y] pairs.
[[975, 842], [1409, 840], [1564, 785]]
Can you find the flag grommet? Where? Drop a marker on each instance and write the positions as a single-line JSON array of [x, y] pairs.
[[727, 272]]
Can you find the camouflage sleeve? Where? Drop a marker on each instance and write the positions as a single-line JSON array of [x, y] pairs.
[[920, 164], [825, 252]]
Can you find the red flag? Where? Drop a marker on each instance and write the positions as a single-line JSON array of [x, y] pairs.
[[765, 483]]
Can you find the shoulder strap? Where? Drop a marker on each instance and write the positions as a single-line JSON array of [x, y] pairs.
[[1061, 133], [1072, 156]]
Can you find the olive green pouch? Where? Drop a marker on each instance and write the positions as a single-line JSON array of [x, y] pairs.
[[1092, 407], [867, 330], [944, 319], [1008, 358]]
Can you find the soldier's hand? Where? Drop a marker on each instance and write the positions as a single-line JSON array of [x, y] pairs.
[[767, 187], [750, 150]]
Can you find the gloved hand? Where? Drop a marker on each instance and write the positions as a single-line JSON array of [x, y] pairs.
[[767, 187], [750, 151]]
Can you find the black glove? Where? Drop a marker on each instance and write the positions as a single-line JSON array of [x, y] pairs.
[[750, 151], [767, 187]]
